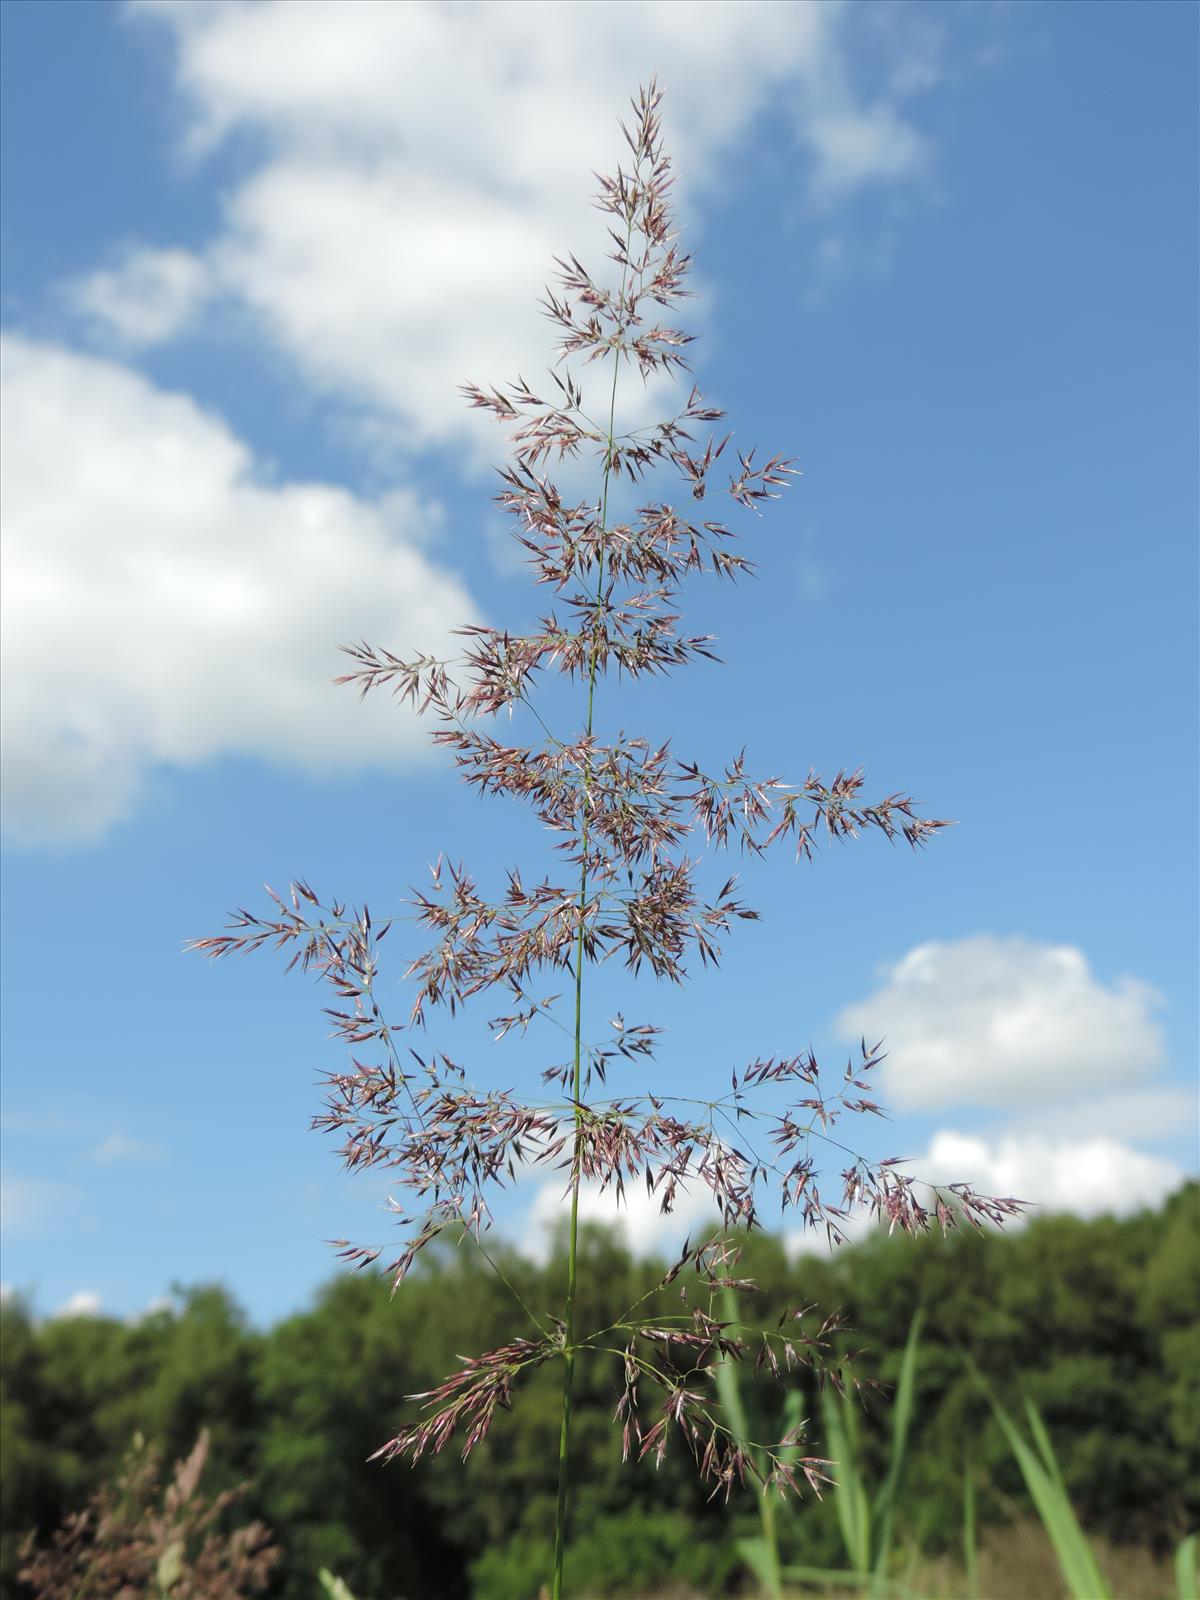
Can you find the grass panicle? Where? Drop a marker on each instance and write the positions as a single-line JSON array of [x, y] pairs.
[[634, 825]]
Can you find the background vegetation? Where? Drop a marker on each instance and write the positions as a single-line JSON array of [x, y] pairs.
[[1097, 1322]]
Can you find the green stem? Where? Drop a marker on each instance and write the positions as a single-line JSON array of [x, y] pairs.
[[564, 1435]]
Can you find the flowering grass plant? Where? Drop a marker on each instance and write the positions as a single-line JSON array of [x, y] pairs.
[[631, 823]]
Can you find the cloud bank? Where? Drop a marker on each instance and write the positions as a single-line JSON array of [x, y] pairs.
[[985, 1022], [1087, 1177], [404, 176], [163, 604], [418, 166], [1005, 1023], [1027, 1029]]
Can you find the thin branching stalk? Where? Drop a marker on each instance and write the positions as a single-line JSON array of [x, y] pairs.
[[633, 821]]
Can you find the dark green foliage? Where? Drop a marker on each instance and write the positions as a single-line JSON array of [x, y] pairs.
[[1098, 1323], [632, 1554]]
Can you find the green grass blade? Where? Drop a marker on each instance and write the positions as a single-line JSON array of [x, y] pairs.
[[728, 1384], [1045, 1449], [332, 1587], [849, 1495], [1063, 1526], [1187, 1582], [902, 1414], [760, 1558], [1046, 1490]]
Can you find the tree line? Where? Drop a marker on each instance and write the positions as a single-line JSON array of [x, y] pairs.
[[1097, 1322]]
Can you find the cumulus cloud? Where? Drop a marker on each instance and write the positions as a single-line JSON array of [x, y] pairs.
[[1006, 1023], [162, 603], [420, 164], [1087, 1177], [521, 92], [1001, 1023], [1027, 1029], [149, 297], [405, 175]]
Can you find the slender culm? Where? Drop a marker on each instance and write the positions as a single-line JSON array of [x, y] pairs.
[[564, 1441]]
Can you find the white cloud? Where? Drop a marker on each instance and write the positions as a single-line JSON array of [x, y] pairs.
[[1028, 1029], [639, 1220], [148, 298], [388, 288], [512, 89], [1005, 1023], [83, 1303], [119, 1149], [1087, 1177], [161, 603], [410, 170], [854, 145], [421, 163]]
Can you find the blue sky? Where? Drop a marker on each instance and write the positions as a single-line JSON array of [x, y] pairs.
[[946, 258]]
